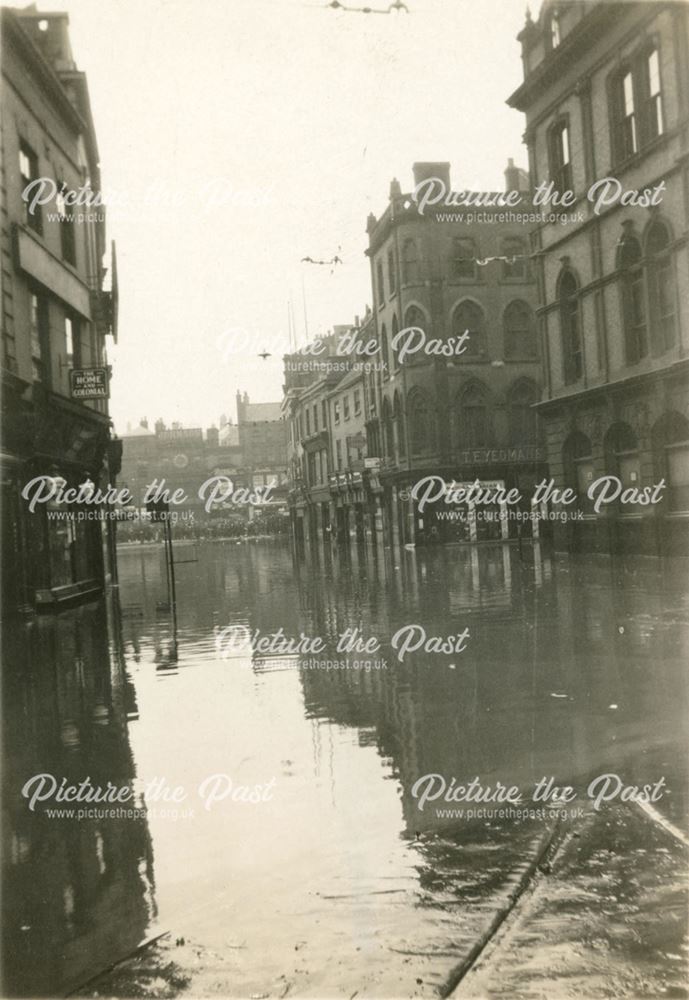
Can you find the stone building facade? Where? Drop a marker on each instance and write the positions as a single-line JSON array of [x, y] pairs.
[[463, 415], [606, 95]]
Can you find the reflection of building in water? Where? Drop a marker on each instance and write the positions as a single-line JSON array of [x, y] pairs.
[[605, 95], [532, 694], [78, 893]]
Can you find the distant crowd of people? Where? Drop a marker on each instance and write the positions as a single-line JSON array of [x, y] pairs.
[[202, 528]]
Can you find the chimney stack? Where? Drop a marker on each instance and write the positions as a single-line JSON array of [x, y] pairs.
[[516, 179], [423, 170]]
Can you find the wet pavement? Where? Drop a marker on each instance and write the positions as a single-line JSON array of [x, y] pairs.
[[335, 883]]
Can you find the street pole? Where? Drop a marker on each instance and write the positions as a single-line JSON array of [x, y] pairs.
[[171, 564]]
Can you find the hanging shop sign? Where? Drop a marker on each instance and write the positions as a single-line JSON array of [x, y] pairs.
[[89, 383]]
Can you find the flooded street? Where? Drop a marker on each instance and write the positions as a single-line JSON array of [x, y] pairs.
[[335, 882]]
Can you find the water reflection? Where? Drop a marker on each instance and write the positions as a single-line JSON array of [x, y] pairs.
[[573, 668], [77, 893]]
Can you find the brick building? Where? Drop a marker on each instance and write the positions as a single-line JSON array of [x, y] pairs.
[[262, 441], [185, 457]]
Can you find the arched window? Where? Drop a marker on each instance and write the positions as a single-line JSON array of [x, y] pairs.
[[633, 298], [385, 351], [463, 261], [514, 265], [398, 418], [380, 282], [570, 327], [469, 316], [519, 331], [474, 430], [393, 351], [622, 454], [421, 424], [523, 419], [670, 439], [388, 431], [392, 277], [414, 317], [662, 294], [577, 458], [410, 262]]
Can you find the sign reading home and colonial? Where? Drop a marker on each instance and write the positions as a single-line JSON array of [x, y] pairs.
[[89, 383]]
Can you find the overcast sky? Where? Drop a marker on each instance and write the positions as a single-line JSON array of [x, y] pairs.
[[295, 118]]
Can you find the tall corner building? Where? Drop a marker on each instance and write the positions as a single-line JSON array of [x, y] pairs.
[[606, 98]]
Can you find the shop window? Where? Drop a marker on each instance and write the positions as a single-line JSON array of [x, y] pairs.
[[670, 442], [622, 457], [577, 457]]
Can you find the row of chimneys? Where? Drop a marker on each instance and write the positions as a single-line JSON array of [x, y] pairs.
[[516, 179]]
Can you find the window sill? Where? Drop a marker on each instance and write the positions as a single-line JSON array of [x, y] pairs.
[[636, 158]]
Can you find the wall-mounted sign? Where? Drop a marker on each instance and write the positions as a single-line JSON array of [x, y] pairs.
[[89, 383]]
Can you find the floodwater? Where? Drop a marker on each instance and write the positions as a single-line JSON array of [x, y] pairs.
[[335, 882]]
